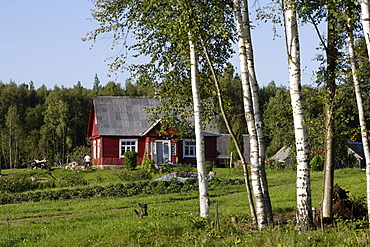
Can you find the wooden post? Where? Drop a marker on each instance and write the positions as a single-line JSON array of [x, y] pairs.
[[217, 222], [231, 159]]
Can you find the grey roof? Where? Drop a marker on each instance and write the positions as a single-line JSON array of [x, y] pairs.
[[282, 154], [122, 116], [125, 116]]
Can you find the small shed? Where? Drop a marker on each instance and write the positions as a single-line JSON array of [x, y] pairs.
[[224, 155], [282, 155], [356, 150]]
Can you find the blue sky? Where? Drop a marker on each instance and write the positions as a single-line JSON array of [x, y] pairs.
[[40, 41]]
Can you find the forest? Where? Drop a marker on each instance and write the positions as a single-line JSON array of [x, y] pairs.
[[40, 123], [52, 123]]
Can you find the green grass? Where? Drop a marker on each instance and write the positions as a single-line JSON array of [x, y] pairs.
[[173, 219]]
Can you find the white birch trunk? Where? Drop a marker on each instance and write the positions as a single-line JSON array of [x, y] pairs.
[[328, 183], [248, 110], [256, 109], [365, 12], [199, 137], [227, 123], [304, 208], [361, 113]]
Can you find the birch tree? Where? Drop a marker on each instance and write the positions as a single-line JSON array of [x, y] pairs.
[[256, 108], [365, 141], [161, 33], [365, 12], [199, 137], [304, 208], [315, 12], [249, 115]]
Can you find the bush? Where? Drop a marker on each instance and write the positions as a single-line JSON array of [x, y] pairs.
[[185, 167], [317, 161], [72, 180], [13, 185], [130, 160], [166, 168], [209, 166], [148, 165], [116, 190], [274, 165], [131, 176]]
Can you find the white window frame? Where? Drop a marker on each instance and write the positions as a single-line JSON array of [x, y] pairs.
[[192, 148], [98, 149], [94, 149], [173, 149], [135, 145]]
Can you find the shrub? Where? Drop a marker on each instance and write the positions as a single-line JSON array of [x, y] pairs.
[[317, 161], [186, 167], [209, 166], [13, 185], [148, 165], [72, 180], [130, 160], [166, 168], [116, 190], [274, 165], [131, 176]]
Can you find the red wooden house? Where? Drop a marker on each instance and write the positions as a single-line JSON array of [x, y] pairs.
[[120, 124]]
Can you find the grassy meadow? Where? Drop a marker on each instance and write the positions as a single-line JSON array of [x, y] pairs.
[[173, 218]]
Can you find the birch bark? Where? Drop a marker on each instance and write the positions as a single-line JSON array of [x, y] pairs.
[[327, 197], [304, 208], [249, 116], [256, 108], [232, 135], [365, 12], [360, 107], [199, 137]]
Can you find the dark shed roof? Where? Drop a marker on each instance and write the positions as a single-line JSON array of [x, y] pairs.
[[357, 149]]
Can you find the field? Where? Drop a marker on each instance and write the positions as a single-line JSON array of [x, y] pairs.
[[173, 218]]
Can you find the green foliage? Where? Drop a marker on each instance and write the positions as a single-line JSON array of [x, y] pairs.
[[13, 185], [161, 34], [130, 160], [44, 123], [185, 167], [238, 130], [134, 175], [209, 166], [148, 165], [165, 168], [317, 161], [274, 165], [278, 122], [72, 180], [115, 190]]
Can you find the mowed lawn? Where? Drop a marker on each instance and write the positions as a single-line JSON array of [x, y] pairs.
[[173, 218]]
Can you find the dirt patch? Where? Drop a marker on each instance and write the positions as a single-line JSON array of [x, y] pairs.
[[343, 207]]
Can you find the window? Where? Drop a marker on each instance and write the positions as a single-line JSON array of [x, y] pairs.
[[173, 149], [127, 145], [189, 148]]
